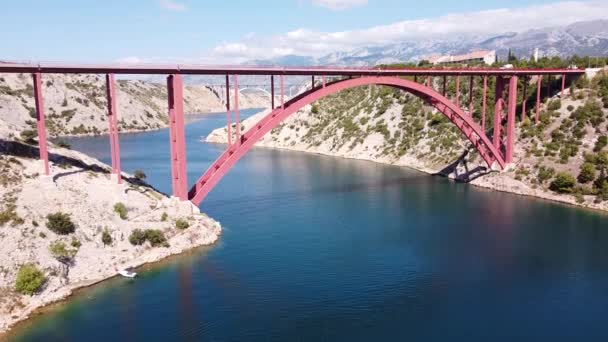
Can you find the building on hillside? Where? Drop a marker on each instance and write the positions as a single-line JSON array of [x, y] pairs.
[[475, 57], [535, 55]]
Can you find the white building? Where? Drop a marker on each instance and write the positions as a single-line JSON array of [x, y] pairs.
[[485, 57]]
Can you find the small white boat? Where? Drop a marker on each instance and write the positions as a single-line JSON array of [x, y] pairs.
[[127, 273]]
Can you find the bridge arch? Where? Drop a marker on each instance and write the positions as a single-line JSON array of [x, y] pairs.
[[465, 123]]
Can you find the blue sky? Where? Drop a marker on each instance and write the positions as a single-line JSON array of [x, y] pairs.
[[233, 31]]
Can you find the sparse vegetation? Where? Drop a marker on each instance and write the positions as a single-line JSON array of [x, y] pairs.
[[154, 236], [182, 224], [29, 280], [121, 210], [60, 252], [562, 183], [139, 175], [106, 238], [60, 223]]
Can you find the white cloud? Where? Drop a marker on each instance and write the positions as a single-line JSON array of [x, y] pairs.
[[131, 60], [339, 5], [172, 5], [317, 43]]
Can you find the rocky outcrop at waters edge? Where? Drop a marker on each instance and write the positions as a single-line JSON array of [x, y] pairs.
[[81, 188], [384, 125]]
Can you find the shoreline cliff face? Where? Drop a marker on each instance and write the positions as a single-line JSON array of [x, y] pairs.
[[387, 126], [77, 104], [99, 242]]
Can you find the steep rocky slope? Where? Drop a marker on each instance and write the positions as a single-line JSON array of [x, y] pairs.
[[388, 126], [76, 104]]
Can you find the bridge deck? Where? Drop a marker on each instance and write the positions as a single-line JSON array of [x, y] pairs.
[[50, 68]]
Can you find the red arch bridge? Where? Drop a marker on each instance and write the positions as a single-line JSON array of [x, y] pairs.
[[428, 84]]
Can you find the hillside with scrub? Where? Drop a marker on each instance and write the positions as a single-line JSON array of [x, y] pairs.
[[563, 157]]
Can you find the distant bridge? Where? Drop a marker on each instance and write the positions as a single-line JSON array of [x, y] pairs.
[[496, 148]]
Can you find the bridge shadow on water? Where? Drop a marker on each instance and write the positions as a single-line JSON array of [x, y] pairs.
[[468, 175]]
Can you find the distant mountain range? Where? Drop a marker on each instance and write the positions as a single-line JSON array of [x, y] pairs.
[[581, 38]]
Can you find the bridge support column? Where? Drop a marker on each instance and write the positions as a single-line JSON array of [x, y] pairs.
[[538, 86], [471, 80], [524, 99], [498, 102], [511, 108], [282, 91], [443, 89], [271, 92], [563, 85], [428, 82], [177, 137], [236, 110], [483, 103], [324, 81], [40, 122], [228, 119], [113, 127], [458, 91]]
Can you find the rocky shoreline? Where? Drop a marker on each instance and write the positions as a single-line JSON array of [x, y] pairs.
[[82, 188], [499, 181]]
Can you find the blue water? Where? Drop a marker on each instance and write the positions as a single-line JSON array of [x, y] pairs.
[[320, 248]]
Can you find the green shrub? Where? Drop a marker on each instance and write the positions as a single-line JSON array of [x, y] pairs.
[[182, 224], [60, 252], [28, 135], [76, 243], [121, 210], [164, 217], [554, 105], [587, 173], [139, 175], [154, 236], [60, 223], [562, 183], [545, 173], [137, 237], [601, 142], [106, 238], [570, 108], [29, 279]]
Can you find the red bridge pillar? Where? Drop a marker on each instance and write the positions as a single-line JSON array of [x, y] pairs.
[[236, 110], [271, 92], [458, 91], [511, 108], [41, 125], [538, 86], [524, 99], [228, 119], [177, 137], [484, 103], [113, 127], [498, 102]]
